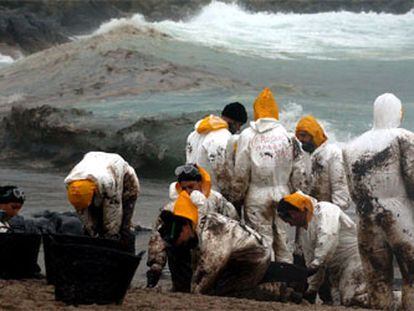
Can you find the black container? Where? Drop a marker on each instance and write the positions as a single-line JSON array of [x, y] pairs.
[[18, 255], [50, 264], [94, 271]]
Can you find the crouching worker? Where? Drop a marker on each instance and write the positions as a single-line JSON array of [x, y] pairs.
[[11, 202], [195, 181], [328, 239], [222, 256], [103, 189]]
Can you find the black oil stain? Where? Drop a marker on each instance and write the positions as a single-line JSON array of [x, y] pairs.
[[365, 165]]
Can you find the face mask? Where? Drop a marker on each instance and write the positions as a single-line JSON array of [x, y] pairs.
[[309, 147]]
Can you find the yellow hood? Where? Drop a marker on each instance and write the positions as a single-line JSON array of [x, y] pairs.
[[205, 182], [80, 193], [211, 123], [185, 208], [265, 106], [309, 125], [302, 202]]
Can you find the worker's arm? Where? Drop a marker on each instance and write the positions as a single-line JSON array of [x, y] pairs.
[[339, 182], [157, 255], [406, 142], [299, 179], [242, 168], [131, 191], [112, 215]]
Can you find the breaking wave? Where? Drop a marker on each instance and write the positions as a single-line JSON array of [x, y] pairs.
[[326, 36]]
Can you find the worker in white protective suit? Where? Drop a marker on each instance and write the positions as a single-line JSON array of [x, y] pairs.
[[226, 256], [206, 145], [11, 202], [103, 188], [328, 181], [328, 239], [380, 165], [196, 182], [269, 164]]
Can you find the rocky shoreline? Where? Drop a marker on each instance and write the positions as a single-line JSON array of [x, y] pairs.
[[31, 26]]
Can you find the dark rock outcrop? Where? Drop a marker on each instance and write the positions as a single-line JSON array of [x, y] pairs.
[[61, 137]]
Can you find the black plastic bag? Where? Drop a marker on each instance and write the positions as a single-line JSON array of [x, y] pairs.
[[18, 255]]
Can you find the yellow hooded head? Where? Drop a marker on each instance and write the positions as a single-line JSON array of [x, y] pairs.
[[309, 125], [185, 208], [205, 182], [265, 106], [80, 193], [211, 123], [302, 202]]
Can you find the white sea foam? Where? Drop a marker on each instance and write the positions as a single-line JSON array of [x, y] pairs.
[[5, 59], [325, 36]]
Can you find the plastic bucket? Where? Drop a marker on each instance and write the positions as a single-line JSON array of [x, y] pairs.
[[18, 255]]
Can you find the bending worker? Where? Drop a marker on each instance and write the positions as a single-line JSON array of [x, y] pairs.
[[194, 181], [328, 239], [269, 164], [227, 257], [11, 202], [328, 180], [380, 164], [206, 145], [103, 188]]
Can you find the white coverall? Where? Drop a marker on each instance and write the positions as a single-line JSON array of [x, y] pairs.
[[117, 190], [380, 164], [328, 181], [208, 151], [330, 244], [269, 165]]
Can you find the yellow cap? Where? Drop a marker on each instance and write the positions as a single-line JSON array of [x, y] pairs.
[[185, 208], [302, 202], [265, 106], [211, 123], [80, 193], [205, 182], [309, 125]]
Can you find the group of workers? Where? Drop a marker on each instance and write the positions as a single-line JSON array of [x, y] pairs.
[[225, 228]]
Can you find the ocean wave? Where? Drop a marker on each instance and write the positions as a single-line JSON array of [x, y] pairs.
[[326, 36]]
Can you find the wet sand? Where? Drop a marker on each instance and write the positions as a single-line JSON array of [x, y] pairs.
[[36, 295]]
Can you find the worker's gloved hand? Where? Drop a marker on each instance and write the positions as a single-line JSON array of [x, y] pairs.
[[312, 271], [310, 296], [153, 276]]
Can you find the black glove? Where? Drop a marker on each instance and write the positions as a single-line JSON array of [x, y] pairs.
[[312, 271], [153, 276], [310, 296]]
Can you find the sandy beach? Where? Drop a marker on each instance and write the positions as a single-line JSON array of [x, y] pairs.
[[37, 295]]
